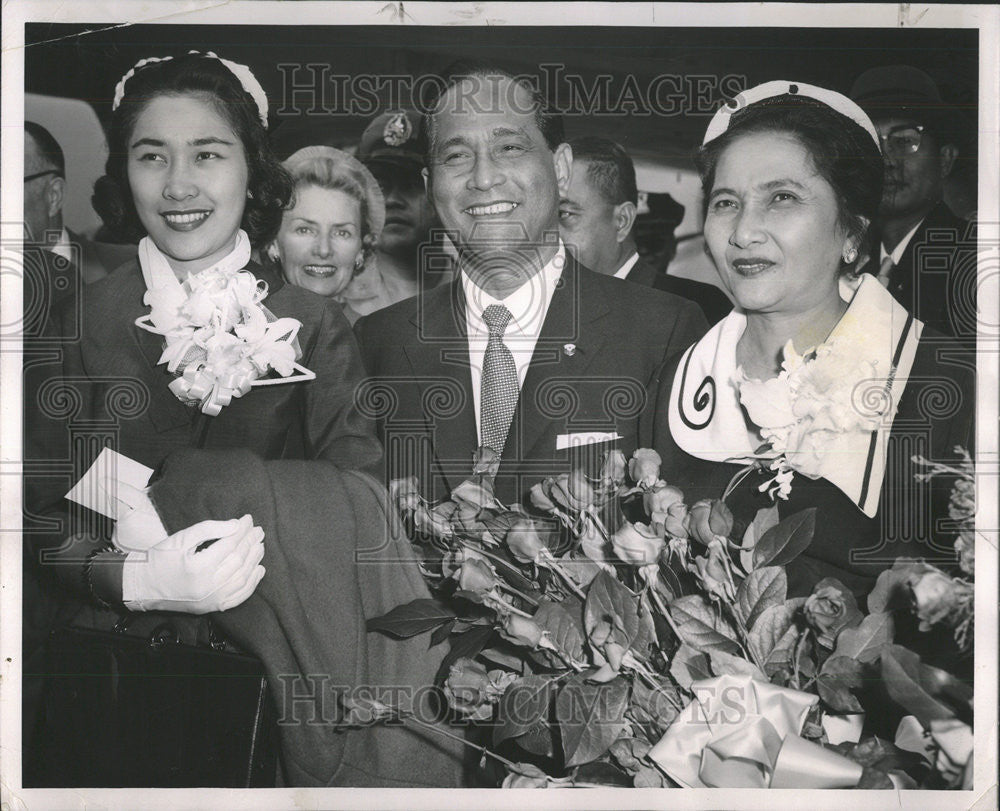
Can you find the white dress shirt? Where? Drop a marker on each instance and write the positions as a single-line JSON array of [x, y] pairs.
[[897, 252], [623, 271], [528, 305], [62, 247]]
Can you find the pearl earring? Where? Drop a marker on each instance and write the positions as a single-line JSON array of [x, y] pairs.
[[850, 255], [272, 252]]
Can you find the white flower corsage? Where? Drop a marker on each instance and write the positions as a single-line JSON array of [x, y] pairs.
[[220, 339], [809, 410]]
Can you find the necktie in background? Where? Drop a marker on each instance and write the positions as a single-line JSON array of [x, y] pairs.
[[499, 391], [884, 270]]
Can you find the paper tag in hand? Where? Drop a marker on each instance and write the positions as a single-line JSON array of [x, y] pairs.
[[98, 488]]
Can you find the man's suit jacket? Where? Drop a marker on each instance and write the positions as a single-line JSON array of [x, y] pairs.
[[98, 259], [599, 346], [936, 275], [713, 302]]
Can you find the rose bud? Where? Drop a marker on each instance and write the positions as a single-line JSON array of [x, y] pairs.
[[405, 493], [572, 491], [476, 576], [637, 544], [524, 542], [540, 498], [467, 689], [660, 500], [644, 467], [613, 469], [713, 574], [592, 542], [522, 631], [485, 461], [708, 518], [935, 596], [720, 518], [830, 609], [432, 522]]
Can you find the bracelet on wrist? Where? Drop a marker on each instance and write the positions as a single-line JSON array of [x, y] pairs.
[[88, 574]]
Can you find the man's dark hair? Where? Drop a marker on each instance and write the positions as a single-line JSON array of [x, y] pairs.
[[48, 147], [609, 168], [548, 121], [842, 151]]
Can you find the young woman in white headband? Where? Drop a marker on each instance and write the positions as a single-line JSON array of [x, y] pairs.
[[271, 369]]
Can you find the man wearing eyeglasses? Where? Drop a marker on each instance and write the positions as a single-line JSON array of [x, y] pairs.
[[926, 256], [44, 194]]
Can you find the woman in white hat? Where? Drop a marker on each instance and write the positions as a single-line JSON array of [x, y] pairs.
[[818, 374]]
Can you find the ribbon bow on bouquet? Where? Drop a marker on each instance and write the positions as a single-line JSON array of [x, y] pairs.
[[220, 338], [742, 733]]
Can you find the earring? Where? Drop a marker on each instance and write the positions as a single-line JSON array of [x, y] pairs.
[[249, 195], [850, 255], [359, 262], [272, 252]]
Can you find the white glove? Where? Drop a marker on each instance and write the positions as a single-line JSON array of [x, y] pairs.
[[174, 576], [138, 526]]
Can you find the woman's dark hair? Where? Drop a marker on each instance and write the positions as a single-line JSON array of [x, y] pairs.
[[269, 185], [842, 151]]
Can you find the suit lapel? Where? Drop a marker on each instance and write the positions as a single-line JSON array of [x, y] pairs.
[[440, 355], [567, 346]]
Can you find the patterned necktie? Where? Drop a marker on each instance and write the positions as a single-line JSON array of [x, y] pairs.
[[498, 395], [884, 270]]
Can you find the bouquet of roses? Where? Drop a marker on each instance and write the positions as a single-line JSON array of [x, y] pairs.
[[615, 635]]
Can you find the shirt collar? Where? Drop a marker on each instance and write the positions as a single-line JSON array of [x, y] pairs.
[[624, 270], [62, 247], [528, 304], [897, 253]]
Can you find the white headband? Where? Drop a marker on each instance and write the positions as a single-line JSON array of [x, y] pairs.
[[720, 121], [242, 73]]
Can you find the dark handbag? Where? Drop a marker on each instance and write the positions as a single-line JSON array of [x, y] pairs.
[[131, 711]]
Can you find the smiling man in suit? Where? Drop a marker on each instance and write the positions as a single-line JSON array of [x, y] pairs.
[[527, 352]]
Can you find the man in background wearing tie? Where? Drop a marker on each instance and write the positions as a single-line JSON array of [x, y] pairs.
[[527, 352], [927, 255]]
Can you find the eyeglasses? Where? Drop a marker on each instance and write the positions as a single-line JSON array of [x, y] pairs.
[[37, 175], [902, 140]]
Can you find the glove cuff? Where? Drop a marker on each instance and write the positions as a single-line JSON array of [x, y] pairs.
[[131, 580]]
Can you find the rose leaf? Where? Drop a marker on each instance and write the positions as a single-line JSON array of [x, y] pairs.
[[786, 540]]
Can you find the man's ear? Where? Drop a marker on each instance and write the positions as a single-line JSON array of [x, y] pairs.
[[55, 193], [625, 214], [948, 153], [563, 160]]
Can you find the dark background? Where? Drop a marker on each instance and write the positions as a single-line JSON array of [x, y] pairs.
[[63, 60]]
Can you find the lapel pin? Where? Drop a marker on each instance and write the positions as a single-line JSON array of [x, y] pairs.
[[569, 350]]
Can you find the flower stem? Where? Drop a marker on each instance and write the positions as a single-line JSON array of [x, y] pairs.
[[655, 598], [482, 749], [740, 475], [498, 559], [545, 558], [518, 593], [744, 638]]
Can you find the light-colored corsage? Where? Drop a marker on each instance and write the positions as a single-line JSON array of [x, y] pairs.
[[220, 339], [810, 416]]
